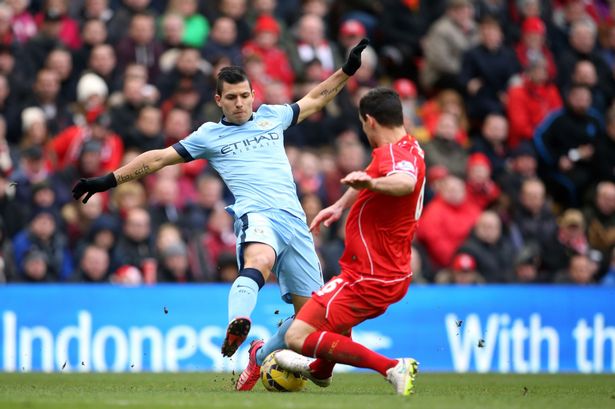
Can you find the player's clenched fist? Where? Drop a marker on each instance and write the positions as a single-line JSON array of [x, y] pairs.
[[93, 185]]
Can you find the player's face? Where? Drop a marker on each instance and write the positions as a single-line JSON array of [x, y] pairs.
[[236, 102]]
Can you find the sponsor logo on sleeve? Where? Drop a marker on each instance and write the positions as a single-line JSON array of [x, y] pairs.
[[405, 166]]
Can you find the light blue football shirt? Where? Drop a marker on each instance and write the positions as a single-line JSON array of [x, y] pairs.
[[250, 158]]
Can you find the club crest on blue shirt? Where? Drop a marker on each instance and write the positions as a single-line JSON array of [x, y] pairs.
[[263, 124]]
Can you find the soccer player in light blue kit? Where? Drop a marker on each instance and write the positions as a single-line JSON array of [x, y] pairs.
[[247, 150]]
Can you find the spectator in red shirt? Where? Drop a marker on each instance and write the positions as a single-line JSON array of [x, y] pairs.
[[533, 47], [69, 33], [447, 221], [480, 189], [24, 26], [265, 44], [446, 101], [530, 101], [68, 144]]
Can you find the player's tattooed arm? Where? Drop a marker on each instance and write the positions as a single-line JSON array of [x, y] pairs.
[[321, 95], [138, 173], [328, 91], [146, 163]]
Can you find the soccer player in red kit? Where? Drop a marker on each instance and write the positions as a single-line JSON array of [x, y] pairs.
[[386, 200]]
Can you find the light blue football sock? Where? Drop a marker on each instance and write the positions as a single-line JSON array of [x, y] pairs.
[[243, 294], [275, 342]]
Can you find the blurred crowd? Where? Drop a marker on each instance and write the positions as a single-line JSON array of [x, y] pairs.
[[512, 101]]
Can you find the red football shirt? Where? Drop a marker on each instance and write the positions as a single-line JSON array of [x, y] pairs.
[[380, 227]]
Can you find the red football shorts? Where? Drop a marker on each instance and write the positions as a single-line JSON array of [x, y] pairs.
[[345, 301]]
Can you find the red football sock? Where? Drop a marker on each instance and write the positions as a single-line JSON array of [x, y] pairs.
[[341, 349], [323, 368]]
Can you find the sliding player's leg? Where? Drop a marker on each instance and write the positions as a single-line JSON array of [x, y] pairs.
[[320, 341], [322, 368], [317, 332]]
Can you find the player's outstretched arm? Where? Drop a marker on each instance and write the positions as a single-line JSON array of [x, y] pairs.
[[333, 213], [396, 184], [144, 164], [324, 92]]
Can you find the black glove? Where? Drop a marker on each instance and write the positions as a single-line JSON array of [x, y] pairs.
[[93, 185], [354, 58]]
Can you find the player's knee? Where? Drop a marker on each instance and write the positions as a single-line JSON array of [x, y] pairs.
[[259, 256], [261, 262], [294, 338]]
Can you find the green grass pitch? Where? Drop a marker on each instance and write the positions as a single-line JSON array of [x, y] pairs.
[[352, 391]]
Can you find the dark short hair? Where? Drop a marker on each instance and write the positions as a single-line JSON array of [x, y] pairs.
[[231, 75], [384, 105]]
